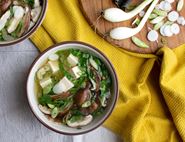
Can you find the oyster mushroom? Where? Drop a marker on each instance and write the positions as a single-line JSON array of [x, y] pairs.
[[44, 109], [86, 120]]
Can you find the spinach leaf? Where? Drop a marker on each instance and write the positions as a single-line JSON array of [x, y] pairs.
[[76, 52], [76, 112], [61, 104], [79, 83], [66, 73], [75, 118], [82, 57], [30, 2], [76, 115], [45, 99], [98, 112], [11, 11]]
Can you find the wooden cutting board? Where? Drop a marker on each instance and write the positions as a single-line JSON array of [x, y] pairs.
[[92, 9]]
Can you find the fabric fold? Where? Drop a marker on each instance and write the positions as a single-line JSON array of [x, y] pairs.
[[172, 82]]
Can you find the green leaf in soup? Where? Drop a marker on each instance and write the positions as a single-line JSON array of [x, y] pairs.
[[85, 55], [19, 27], [11, 11], [103, 85], [61, 104], [98, 62], [75, 118], [45, 99], [98, 112], [76, 52], [30, 2], [76, 112], [79, 83], [65, 73]]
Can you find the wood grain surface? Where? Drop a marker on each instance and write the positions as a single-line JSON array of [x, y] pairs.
[[16, 119], [92, 9]]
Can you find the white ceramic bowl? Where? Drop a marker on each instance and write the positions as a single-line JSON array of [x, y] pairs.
[[58, 127]]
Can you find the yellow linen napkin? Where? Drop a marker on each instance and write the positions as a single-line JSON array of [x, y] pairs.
[[151, 105]]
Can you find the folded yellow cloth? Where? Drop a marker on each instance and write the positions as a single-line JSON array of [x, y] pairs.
[[151, 105]]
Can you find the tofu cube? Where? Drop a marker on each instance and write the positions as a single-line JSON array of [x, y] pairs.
[[45, 82], [76, 71], [54, 65], [67, 83], [72, 60], [63, 86]]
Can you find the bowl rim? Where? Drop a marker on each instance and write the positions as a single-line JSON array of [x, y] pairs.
[[32, 30], [116, 89]]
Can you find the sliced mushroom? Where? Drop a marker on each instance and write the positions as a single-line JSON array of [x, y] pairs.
[[86, 120], [44, 109], [4, 5], [61, 96], [82, 96]]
